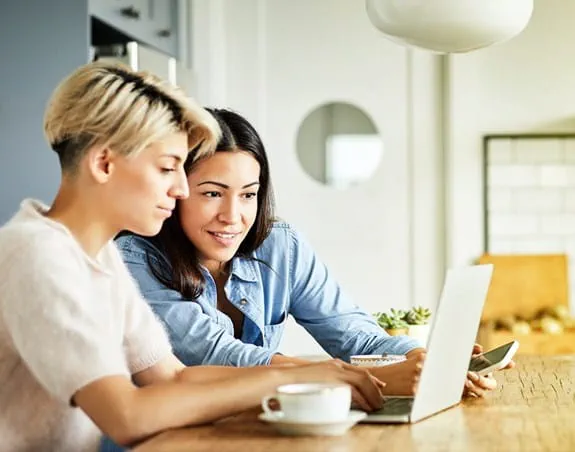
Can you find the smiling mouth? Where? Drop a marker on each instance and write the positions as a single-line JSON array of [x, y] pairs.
[[225, 235]]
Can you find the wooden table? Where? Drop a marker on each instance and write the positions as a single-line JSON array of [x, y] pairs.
[[533, 409]]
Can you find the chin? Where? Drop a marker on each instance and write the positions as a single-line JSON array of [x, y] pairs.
[[223, 257], [147, 230]]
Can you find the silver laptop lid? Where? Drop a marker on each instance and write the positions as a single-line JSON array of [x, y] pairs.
[[451, 340]]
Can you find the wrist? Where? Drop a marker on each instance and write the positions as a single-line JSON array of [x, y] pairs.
[[280, 375], [415, 351], [280, 360]]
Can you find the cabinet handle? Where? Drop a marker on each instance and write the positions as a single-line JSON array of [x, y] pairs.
[[166, 33], [130, 12]]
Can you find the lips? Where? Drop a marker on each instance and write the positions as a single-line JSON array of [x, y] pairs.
[[225, 239], [166, 210], [224, 235]]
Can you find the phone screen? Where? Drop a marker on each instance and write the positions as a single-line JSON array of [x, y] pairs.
[[489, 358]]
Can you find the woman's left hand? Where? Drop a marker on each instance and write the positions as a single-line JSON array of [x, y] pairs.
[[477, 386]]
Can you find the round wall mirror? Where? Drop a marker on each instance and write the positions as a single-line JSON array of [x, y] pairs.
[[338, 145]]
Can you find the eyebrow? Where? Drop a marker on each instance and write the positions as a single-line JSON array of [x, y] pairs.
[[219, 184], [176, 157]]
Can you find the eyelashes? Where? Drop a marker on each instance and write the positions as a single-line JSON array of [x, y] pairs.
[[217, 194]]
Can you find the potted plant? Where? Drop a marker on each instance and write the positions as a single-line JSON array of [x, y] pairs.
[[393, 322], [417, 319]]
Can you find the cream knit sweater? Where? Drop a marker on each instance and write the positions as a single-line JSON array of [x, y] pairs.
[[66, 320]]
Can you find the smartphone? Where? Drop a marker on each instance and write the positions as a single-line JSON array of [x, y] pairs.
[[494, 359]]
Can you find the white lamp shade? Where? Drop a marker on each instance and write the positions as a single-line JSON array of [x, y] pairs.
[[449, 26]]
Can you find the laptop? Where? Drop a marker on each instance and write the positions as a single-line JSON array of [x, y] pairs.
[[449, 349]]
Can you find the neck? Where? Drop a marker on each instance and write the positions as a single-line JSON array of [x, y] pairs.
[[219, 270], [80, 215]]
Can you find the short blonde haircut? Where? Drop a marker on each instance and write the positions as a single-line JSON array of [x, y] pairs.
[[109, 104]]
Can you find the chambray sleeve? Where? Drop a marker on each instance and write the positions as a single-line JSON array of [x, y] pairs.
[[319, 305], [196, 338]]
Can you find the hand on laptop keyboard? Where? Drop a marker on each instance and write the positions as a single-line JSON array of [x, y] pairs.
[[366, 388], [402, 378]]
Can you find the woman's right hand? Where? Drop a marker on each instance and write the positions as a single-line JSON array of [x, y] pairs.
[[366, 389], [402, 378]]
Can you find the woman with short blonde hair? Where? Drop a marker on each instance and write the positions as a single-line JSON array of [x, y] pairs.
[[105, 103]]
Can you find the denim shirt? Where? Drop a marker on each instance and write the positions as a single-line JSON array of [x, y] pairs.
[[293, 281]]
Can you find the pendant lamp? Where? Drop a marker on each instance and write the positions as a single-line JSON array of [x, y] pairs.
[[449, 26]]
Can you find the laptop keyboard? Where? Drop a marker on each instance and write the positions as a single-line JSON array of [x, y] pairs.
[[396, 406]]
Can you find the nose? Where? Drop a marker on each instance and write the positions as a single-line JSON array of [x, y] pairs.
[[180, 189], [230, 211]]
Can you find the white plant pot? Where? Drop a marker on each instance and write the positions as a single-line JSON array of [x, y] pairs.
[[419, 332]]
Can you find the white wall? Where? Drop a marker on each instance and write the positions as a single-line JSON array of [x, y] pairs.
[[310, 144], [524, 85], [275, 61]]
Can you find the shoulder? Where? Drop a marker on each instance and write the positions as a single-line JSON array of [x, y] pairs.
[[281, 236], [283, 242], [43, 263], [35, 244], [31, 236], [135, 247]]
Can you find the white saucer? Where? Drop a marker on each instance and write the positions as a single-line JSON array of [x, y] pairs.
[[294, 428]]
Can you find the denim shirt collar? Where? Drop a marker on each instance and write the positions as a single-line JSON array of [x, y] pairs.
[[244, 269], [241, 268], [242, 291]]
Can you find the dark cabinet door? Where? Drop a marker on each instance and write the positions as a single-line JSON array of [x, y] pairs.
[[152, 22]]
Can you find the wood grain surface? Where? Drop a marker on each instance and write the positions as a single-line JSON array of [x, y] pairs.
[[533, 409]]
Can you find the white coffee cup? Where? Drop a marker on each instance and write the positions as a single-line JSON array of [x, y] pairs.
[[310, 402]]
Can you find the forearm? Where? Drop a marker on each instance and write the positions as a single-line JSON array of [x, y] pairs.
[[415, 351], [210, 374], [356, 334], [178, 403], [394, 345], [281, 360], [202, 374], [219, 350], [228, 393]]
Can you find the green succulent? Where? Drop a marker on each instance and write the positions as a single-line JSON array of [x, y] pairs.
[[393, 320], [417, 316]]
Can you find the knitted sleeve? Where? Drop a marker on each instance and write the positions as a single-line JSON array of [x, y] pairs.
[[145, 340]]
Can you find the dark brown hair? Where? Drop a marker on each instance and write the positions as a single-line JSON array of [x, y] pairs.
[[184, 273]]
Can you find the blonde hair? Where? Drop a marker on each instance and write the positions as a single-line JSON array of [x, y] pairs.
[[109, 104]]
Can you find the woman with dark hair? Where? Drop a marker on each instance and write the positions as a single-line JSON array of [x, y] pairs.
[[223, 275]]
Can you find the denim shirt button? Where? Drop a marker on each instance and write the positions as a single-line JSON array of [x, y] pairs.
[[243, 301]]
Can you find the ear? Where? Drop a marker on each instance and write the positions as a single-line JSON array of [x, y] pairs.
[[101, 163]]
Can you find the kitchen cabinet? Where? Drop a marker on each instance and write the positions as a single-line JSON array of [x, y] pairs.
[[152, 22], [41, 42], [143, 58], [531, 289]]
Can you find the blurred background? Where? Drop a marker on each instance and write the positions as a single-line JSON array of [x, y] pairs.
[[395, 163]]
